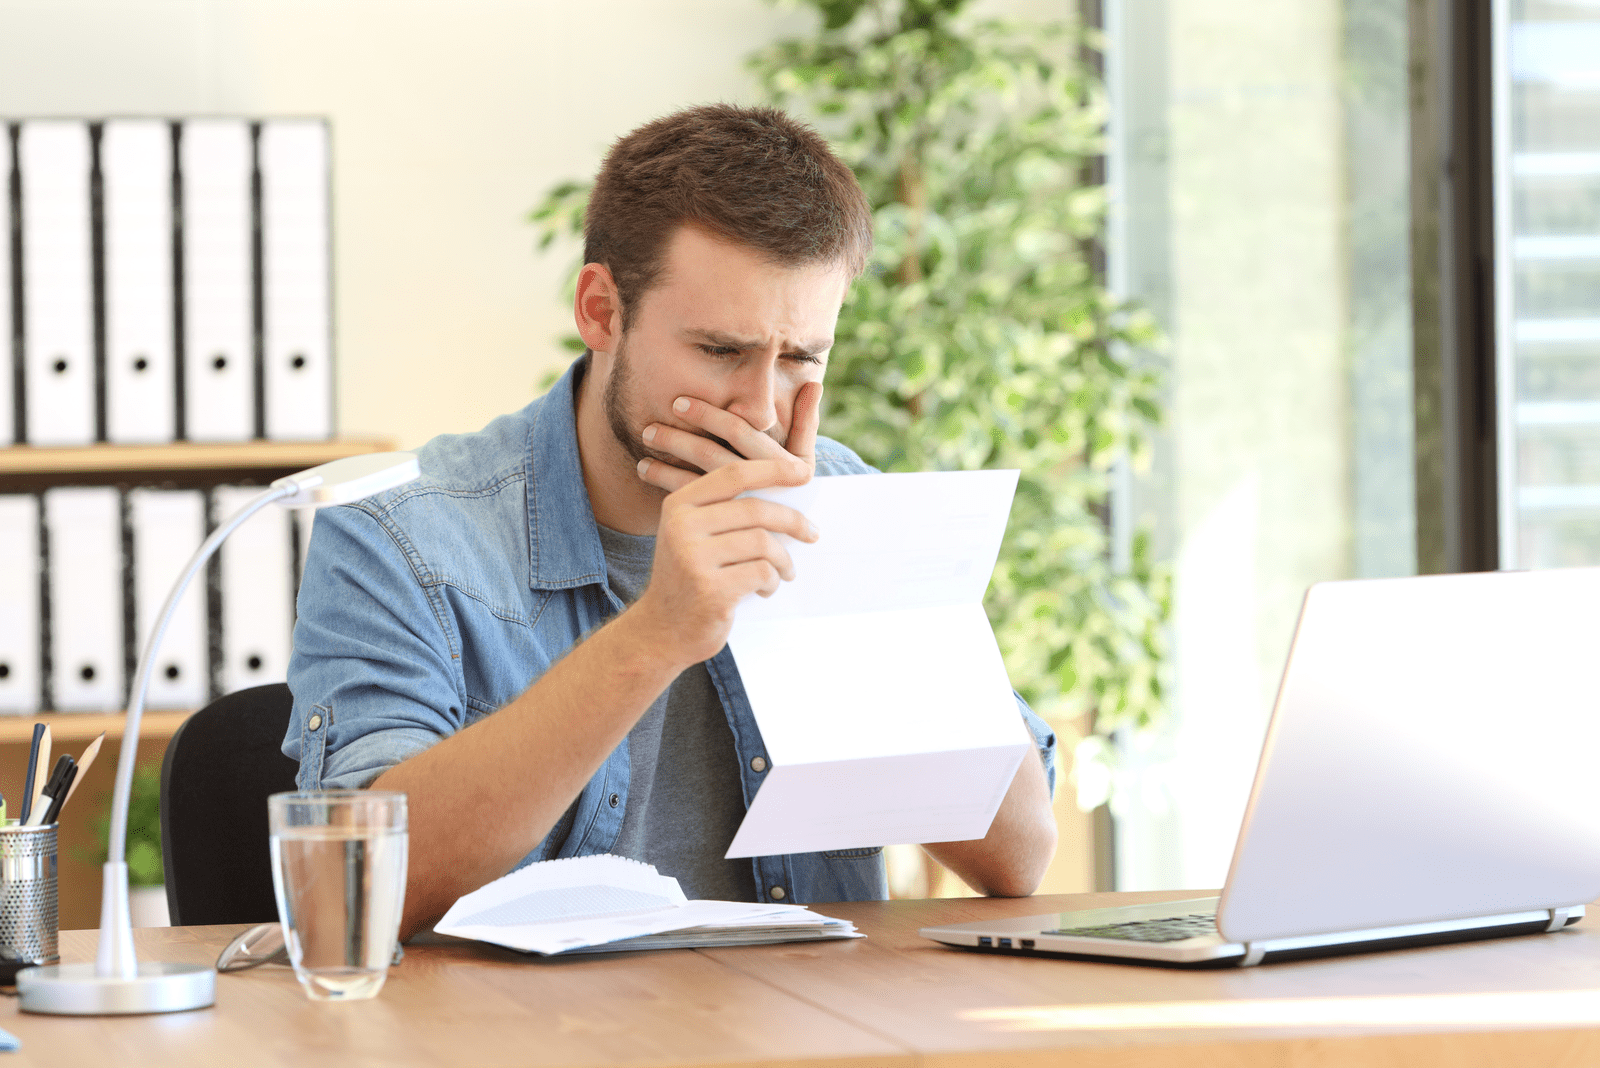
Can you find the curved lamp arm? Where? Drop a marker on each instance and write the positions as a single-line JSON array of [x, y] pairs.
[[116, 958], [118, 983]]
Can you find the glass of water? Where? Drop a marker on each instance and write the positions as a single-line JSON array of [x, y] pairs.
[[339, 869]]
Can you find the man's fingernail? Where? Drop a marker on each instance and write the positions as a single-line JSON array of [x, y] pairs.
[[680, 405], [811, 528], [643, 467], [650, 432]]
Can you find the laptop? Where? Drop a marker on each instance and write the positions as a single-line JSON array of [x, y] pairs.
[[1428, 776]]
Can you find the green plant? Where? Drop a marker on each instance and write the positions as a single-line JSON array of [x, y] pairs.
[[145, 866], [980, 335]]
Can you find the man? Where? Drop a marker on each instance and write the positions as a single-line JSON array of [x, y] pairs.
[[530, 640]]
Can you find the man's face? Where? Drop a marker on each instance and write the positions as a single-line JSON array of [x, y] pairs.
[[725, 326]]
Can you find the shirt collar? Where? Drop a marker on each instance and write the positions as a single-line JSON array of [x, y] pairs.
[[564, 548]]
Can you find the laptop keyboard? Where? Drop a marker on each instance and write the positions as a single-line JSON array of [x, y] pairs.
[[1161, 929]]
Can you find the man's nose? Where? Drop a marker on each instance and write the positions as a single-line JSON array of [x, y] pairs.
[[755, 395]]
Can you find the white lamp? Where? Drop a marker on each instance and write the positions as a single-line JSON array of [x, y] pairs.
[[118, 982]]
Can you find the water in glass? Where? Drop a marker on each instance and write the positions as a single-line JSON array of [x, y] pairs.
[[340, 892]]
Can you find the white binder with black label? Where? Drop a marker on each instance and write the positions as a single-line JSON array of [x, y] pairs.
[[8, 399], [218, 351], [301, 519], [84, 527], [257, 592], [295, 285], [136, 184], [57, 282], [168, 526], [19, 604]]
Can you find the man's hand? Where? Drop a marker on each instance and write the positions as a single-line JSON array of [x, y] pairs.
[[713, 546], [707, 454]]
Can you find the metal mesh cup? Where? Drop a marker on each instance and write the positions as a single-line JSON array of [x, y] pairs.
[[28, 907]]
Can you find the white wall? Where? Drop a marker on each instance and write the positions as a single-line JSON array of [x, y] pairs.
[[450, 119]]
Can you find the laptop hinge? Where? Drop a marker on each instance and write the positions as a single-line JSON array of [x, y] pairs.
[[1558, 918], [1253, 952]]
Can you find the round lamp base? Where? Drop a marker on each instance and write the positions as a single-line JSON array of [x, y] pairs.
[[75, 990]]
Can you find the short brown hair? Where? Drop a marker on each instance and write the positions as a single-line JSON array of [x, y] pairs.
[[754, 176]]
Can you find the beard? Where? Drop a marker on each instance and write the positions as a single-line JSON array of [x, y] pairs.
[[618, 402], [627, 422]]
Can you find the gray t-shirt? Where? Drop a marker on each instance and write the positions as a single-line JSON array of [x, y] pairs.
[[684, 797]]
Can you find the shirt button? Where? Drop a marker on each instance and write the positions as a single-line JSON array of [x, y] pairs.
[[758, 763], [777, 893], [314, 722], [616, 799]]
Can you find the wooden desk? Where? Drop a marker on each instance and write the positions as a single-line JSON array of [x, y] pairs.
[[891, 999]]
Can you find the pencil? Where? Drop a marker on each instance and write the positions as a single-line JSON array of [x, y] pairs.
[[90, 751]]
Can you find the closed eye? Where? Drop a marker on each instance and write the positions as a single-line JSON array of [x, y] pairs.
[[719, 350]]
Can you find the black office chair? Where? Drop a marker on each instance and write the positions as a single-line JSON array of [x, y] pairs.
[[219, 769]]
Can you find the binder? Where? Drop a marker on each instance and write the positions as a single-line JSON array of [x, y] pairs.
[[83, 530], [301, 520], [19, 604], [295, 283], [136, 198], [8, 397], [57, 283], [214, 160], [257, 573], [167, 527]]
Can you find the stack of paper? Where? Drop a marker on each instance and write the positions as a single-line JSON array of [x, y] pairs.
[[606, 903]]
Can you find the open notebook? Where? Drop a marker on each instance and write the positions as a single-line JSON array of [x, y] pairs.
[[606, 903]]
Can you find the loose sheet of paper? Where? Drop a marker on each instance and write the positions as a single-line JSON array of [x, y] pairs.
[[874, 675]]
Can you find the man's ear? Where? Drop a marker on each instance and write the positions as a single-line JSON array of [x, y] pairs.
[[597, 308]]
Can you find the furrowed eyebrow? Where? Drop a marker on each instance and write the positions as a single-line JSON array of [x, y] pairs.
[[721, 340]]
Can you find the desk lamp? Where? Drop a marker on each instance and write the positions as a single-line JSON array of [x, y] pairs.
[[118, 983]]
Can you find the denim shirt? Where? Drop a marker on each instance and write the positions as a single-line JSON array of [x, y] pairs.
[[427, 607]]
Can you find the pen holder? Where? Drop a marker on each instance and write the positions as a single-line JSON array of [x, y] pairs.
[[28, 907]]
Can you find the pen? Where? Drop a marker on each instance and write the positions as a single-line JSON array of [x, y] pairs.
[[90, 751], [33, 767], [59, 797], [41, 771], [54, 791]]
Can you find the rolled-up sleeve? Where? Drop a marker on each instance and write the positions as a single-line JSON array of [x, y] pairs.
[[375, 669]]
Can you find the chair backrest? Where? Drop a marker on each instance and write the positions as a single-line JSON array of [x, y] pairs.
[[219, 768]]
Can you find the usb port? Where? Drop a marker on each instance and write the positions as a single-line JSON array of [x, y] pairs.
[[985, 940], [1005, 943], [1027, 943]]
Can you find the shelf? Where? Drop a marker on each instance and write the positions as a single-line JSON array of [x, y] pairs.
[[182, 456], [85, 726], [179, 465]]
